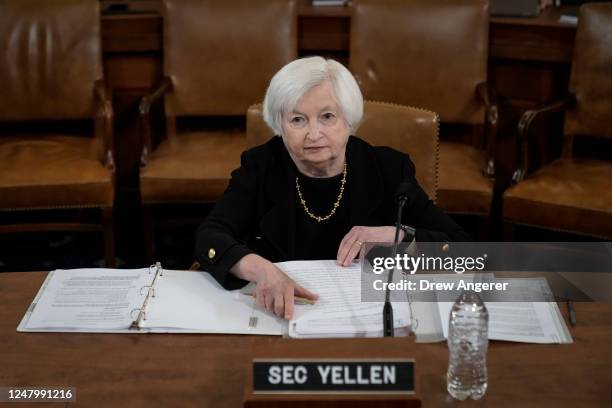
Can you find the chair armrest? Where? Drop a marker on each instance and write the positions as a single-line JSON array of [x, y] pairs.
[[524, 130], [103, 118], [489, 98], [144, 111]]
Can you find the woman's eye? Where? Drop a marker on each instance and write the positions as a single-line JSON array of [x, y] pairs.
[[297, 120], [328, 117]]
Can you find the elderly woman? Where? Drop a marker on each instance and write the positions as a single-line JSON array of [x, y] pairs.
[[315, 192]]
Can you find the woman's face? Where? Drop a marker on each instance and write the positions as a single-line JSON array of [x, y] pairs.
[[315, 133]]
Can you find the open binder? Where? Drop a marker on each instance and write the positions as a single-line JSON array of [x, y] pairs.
[[148, 300]]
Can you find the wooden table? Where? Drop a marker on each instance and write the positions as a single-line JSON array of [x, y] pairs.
[[153, 370]]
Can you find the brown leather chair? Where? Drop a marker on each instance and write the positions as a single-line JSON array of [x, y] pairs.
[[51, 78], [218, 60], [572, 194], [433, 54], [410, 130]]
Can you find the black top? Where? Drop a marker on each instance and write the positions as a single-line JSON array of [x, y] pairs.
[[259, 210], [314, 239]]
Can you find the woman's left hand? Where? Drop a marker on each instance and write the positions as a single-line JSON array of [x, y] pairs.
[[353, 241]]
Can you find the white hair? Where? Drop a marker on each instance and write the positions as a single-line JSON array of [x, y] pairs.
[[298, 77]]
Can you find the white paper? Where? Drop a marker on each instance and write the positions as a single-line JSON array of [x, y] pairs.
[[339, 311], [194, 301], [529, 322], [573, 20], [427, 324], [95, 299]]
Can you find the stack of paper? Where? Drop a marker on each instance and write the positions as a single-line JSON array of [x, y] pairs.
[[339, 312], [88, 300], [529, 322]]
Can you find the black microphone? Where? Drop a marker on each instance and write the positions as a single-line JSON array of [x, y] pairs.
[[402, 192], [402, 198]]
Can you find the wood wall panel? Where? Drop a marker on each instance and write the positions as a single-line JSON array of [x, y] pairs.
[[132, 33], [132, 72]]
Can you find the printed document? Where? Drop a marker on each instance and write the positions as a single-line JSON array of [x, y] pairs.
[[195, 301], [339, 311], [529, 322], [90, 298]]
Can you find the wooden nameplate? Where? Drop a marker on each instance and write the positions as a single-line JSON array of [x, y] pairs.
[[339, 373]]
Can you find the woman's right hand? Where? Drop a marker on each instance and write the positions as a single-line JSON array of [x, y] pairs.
[[274, 290]]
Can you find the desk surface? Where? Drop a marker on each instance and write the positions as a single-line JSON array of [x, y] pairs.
[[210, 370]]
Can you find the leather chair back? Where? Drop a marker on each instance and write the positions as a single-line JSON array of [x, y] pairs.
[[591, 77], [50, 58], [410, 130], [422, 53], [221, 55], [257, 130]]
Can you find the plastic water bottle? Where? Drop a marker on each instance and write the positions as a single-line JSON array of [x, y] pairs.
[[468, 342]]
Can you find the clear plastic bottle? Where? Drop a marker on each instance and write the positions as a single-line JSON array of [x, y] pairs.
[[468, 342]]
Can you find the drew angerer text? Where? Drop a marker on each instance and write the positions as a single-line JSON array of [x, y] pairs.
[[425, 284]]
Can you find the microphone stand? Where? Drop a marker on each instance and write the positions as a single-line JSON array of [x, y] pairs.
[[388, 325]]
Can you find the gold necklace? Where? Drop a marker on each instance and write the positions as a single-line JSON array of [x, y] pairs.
[[336, 204]]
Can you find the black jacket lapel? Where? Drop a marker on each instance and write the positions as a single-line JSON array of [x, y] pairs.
[[365, 182], [278, 225]]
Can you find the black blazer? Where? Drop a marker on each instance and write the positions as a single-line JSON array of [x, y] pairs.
[[258, 210]]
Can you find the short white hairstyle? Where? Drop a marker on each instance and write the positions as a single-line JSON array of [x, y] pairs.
[[298, 77]]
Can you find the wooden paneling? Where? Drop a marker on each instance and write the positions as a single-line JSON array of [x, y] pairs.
[[541, 39], [131, 33], [327, 34], [529, 84], [132, 72], [132, 45], [323, 30]]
